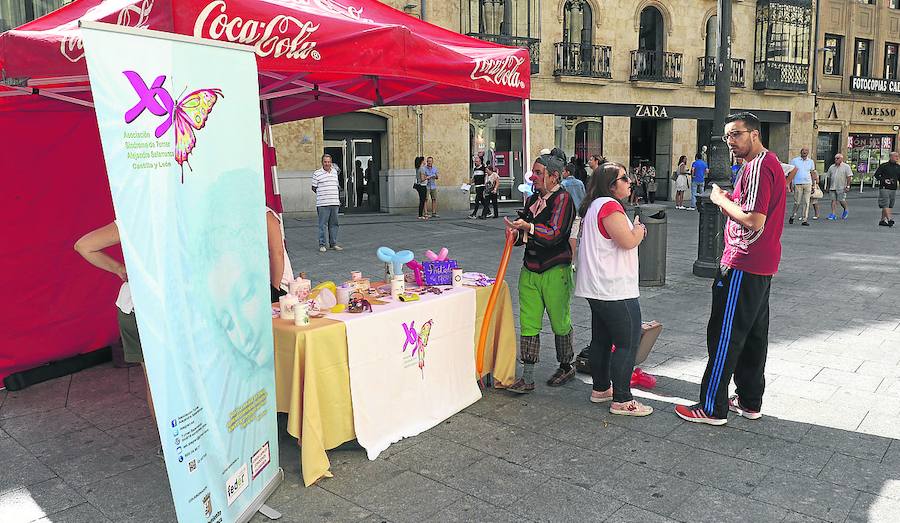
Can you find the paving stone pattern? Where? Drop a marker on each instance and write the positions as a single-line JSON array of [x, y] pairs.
[[82, 449]]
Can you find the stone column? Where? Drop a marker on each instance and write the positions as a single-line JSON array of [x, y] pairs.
[[617, 139]]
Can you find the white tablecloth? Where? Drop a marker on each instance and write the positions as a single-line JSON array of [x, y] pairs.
[[396, 393]]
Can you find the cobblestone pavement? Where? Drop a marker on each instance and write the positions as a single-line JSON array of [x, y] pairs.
[[81, 448]]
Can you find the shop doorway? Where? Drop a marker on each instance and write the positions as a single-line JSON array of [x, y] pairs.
[[356, 160], [826, 149], [354, 141], [651, 143]]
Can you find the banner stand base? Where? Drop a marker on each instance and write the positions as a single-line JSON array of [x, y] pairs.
[[259, 505], [269, 512]]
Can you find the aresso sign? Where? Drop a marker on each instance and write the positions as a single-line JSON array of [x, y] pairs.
[[874, 85]]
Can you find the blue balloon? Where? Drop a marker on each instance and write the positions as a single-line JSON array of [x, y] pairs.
[[396, 259], [526, 188]]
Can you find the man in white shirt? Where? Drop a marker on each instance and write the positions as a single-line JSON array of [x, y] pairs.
[[839, 175], [327, 188], [802, 185]]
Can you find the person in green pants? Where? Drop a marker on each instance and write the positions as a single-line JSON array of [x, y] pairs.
[[545, 282]]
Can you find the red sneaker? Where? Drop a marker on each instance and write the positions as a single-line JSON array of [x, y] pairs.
[[734, 405], [696, 414]]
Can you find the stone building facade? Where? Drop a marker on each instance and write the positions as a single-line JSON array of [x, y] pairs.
[[858, 99], [633, 81]]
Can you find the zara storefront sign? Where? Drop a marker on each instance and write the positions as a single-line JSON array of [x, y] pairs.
[[874, 85], [650, 111]]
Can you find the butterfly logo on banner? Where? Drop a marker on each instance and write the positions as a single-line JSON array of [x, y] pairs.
[[419, 340], [188, 114]]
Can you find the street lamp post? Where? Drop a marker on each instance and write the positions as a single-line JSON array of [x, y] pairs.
[[712, 222]]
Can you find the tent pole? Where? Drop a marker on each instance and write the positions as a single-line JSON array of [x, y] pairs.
[[270, 139], [526, 140]]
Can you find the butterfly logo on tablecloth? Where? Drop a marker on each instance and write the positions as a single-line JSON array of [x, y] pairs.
[[419, 340], [188, 114]]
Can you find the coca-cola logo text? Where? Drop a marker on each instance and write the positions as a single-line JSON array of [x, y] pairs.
[[131, 16], [282, 36], [500, 72]]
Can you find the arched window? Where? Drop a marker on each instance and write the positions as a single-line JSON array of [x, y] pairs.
[[577, 22], [712, 36], [588, 139], [651, 33]]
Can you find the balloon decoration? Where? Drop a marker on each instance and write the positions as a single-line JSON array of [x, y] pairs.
[[417, 270], [492, 301], [440, 256], [527, 189], [395, 259]]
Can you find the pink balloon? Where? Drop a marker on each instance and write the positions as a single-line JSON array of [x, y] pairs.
[[440, 256], [417, 270]]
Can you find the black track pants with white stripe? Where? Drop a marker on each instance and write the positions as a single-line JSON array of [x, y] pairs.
[[737, 337]]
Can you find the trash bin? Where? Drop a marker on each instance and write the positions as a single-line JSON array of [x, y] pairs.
[[652, 251]]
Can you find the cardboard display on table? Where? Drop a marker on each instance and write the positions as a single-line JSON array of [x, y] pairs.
[[439, 272]]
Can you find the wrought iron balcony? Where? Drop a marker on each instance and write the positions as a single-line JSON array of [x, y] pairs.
[[656, 66], [532, 44], [782, 76], [573, 59], [707, 71]]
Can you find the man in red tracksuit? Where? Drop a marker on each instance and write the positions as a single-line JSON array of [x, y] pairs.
[[738, 331]]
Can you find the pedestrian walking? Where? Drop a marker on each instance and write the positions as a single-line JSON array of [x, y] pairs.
[[802, 185], [545, 281], [815, 194], [607, 277], [888, 175], [477, 182], [325, 184], [421, 185], [431, 176], [649, 181], [491, 191], [682, 182], [839, 176], [738, 328], [698, 175]]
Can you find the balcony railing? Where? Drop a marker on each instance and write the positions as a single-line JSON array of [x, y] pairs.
[[782, 76], [656, 66], [573, 59], [532, 44], [707, 71]]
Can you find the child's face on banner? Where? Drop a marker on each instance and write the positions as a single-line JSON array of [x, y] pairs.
[[238, 308]]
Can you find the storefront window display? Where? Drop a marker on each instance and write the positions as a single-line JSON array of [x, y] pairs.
[[865, 152], [498, 138]]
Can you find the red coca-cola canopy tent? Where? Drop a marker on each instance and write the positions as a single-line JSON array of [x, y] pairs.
[[315, 58]]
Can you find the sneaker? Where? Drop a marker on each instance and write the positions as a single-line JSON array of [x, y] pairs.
[[630, 408], [520, 387], [337, 247], [601, 396], [815, 217], [791, 220], [690, 208], [734, 405], [804, 223], [322, 248], [435, 215], [845, 214], [471, 216], [890, 223], [696, 414], [883, 223], [831, 217]]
